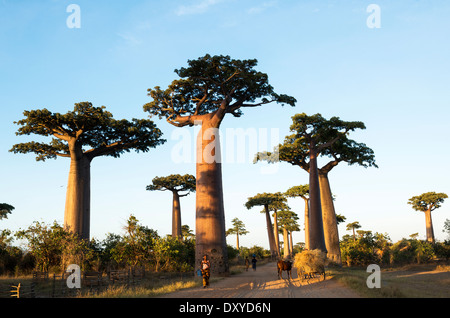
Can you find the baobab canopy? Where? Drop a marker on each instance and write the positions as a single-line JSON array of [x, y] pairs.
[[81, 135], [206, 83]]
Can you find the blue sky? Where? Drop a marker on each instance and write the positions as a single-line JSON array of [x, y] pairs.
[[395, 79]]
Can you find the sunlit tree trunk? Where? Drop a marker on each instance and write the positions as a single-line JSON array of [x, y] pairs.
[[429, 225], [176, 216], [330, 228], [270, 234], [210, 216], [316, 236], [306, 223], [78, 195], [276, 235], [286, 248]]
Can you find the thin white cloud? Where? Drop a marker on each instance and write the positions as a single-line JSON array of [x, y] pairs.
[[262, 7], [196, 8]]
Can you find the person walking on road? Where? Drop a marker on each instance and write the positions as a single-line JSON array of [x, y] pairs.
[[254, 263], [205, 267]]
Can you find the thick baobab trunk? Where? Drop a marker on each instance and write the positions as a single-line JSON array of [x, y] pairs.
[[429, 224], [316, 237], [176, 216], [306, 223], [78, 196], [291, 244], [275, 232], [210, 216], [272, 244], [287, 254], [330, 227]]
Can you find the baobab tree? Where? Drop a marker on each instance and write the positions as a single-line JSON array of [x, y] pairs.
[[180, 186], [83, 134], [238, 229], [352, 227], [266, 199], [428, 202], [208, 89], [302, 191], [287, 221], [275, 207], [316, 136]]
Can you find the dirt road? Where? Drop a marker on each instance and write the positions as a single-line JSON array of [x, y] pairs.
[[264, 283]]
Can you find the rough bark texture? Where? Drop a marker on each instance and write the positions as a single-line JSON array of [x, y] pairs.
[[330, 227], [276, 235], [306, 223], [429, 224], [77, 209], [286, 244], [176, 216], [316, 236], [272, 244], [210, 216]]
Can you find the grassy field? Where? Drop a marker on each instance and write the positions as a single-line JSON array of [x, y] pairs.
[[412, 281]]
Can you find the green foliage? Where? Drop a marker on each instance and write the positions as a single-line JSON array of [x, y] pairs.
[[409, 251], [328, 136], [288, 219], [54, 246], [256, 250], [427, 201], [5, 209], [206, 83], [298, 191], [93, 130], [238, 228], [173, 182], [265, 199], [365, 249]]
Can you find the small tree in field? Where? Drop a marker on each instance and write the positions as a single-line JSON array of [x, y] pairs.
[[83, 134], [302, 191], [238, 229], [265, 200], [180, 186], [428, 202]]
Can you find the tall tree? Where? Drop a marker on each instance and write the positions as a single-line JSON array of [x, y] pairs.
[[302, 191], [238, 229], [208, 89], [428, 202], [275, 207], [83, 134], [318, 136], [266, 199], [180, 186], [287, 220], [352, 227]]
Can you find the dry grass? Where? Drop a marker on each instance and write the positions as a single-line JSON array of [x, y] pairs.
[[310, 261], [413, 281]]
